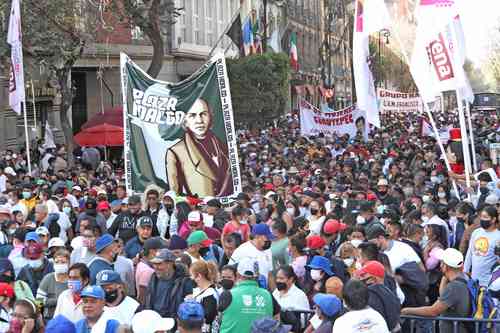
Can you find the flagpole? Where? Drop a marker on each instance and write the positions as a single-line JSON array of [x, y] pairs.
[[28, 153], [228, 26], [473, 145], [431, 118], [465, 139]]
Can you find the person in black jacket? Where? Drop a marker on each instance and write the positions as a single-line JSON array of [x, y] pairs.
[[380, 298]]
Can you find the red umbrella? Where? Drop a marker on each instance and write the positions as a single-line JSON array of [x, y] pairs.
[[100, 135], [112, 116]]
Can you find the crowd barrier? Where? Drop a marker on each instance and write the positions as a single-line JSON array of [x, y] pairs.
[[472, 325]]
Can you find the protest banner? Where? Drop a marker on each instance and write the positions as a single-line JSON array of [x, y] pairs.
[[349, 120], [395, 101], [180, 136]]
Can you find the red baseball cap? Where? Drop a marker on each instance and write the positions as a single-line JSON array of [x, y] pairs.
[[103, 205], [297, 189], [268, 187], [93, 192], [371, 196], [193, 201], [334, 226], [315, 242], [373, 268], [6, 290]]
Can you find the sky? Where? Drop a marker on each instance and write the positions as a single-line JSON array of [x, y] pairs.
[[480, 20]]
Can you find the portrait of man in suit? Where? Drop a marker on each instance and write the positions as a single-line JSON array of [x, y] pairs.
[[199, 163]]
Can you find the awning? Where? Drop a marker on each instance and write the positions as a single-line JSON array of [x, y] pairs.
[[299, 90], [310, 89]]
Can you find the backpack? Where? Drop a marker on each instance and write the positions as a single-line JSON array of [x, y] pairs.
[[481, 305]]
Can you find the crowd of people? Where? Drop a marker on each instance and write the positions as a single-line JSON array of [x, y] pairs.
[[329, 234]]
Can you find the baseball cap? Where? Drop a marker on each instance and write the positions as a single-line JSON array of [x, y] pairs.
[[32, 236], [374, 231], [91, 204], [56, 241], [134, 200], [269, 325], [451, 257], [373, 268], [162, 256], [145, 221], [315, 242], [334, 226], [262, 229], [154, 243], [93, 292], [6, 290], [6, 266], [107, 276], [149, 321], [60, 324], [103, 205], [328, 304], [190, 310], [382, 182], [42, 231], [177, 243], [248, 267], [76, 188], [103, 242], [214, 203], [199, 237], [195, 216]]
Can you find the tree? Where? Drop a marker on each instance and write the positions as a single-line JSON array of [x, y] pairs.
[[259, 86], [476, 77], [155, 18], [55, 33]]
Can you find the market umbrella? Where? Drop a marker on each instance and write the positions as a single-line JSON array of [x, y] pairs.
[[100, 135]]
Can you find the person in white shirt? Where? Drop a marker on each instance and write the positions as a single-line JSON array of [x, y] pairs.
[[361, 317], [3, 181], [429, 211], [258, 249], [287, 294], [120, 306]]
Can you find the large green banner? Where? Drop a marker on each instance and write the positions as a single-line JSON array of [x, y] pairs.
[[180, 136]]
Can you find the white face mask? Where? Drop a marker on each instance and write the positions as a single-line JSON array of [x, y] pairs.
[[291, 211], [315, 274], [61, 268], [360, 220], [35, 264], [356, 242], [244, 221], [441, 195], [424, 241], [348, 262], [426, 198], [425, 219]]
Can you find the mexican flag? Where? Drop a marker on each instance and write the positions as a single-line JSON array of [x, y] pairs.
[[294, 58]]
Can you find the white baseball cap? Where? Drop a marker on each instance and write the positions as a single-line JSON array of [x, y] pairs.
[[149, 321], [195, 216], [248, 267], [56, 241], [451, 257]]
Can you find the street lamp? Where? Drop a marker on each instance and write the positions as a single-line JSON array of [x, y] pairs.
[[386, 34]]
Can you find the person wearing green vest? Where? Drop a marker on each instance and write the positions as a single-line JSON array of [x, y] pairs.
[[246, 302]]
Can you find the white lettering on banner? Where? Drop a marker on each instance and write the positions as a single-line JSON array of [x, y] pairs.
[[156, 109], [394, 101], [346, 121]]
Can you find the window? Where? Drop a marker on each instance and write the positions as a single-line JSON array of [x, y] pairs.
[[198, 22]]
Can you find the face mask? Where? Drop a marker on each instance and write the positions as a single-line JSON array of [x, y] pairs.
[[483, 190], [360, 220], [111, 296], [356, 242], [244, 221], [313, 211], [381, 209], [315, 274], [426, 198], [26, 195], [227, 284], [203, 251], [15, 325], [267, 245], [435, 180], [114, 257], [424, 241], [75, 286], [35, 264], [60, 268], [425, 219], [291, 211], [348, 262], [441, 195], [408, 191], [281, 286], [485, 224], [67, 210]]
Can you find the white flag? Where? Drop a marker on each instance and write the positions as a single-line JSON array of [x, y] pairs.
[[439, 52], [14, 38], [370, 16]]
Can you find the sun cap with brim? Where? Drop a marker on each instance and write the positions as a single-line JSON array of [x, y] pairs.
[[451, 257], [321, 263], [149, 321], [162, 256]]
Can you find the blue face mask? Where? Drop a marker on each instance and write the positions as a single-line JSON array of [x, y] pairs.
[[75, 286], [26, 195]]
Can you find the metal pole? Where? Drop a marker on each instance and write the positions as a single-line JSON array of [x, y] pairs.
[[28, 153], [465, 138], [34, 105], [471, 131]]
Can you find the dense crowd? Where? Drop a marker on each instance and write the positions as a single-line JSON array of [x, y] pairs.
[[328, 234]]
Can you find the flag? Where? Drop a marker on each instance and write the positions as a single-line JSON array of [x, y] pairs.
[[235, 33], [294, 57], [370, 16], [14, 38], [439, 52], [247, 36]]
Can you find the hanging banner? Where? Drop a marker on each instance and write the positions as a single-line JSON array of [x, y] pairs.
[[350, 121], [180, 136], [395, 101]]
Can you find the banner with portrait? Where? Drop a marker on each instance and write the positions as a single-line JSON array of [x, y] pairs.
[[400, 102], [314, 121], [180, 136]]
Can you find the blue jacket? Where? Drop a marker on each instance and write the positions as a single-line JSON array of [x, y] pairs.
[[133, 247], [95, 266], [111, 326]]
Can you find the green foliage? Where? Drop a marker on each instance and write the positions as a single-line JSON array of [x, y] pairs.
[[259, 86]]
